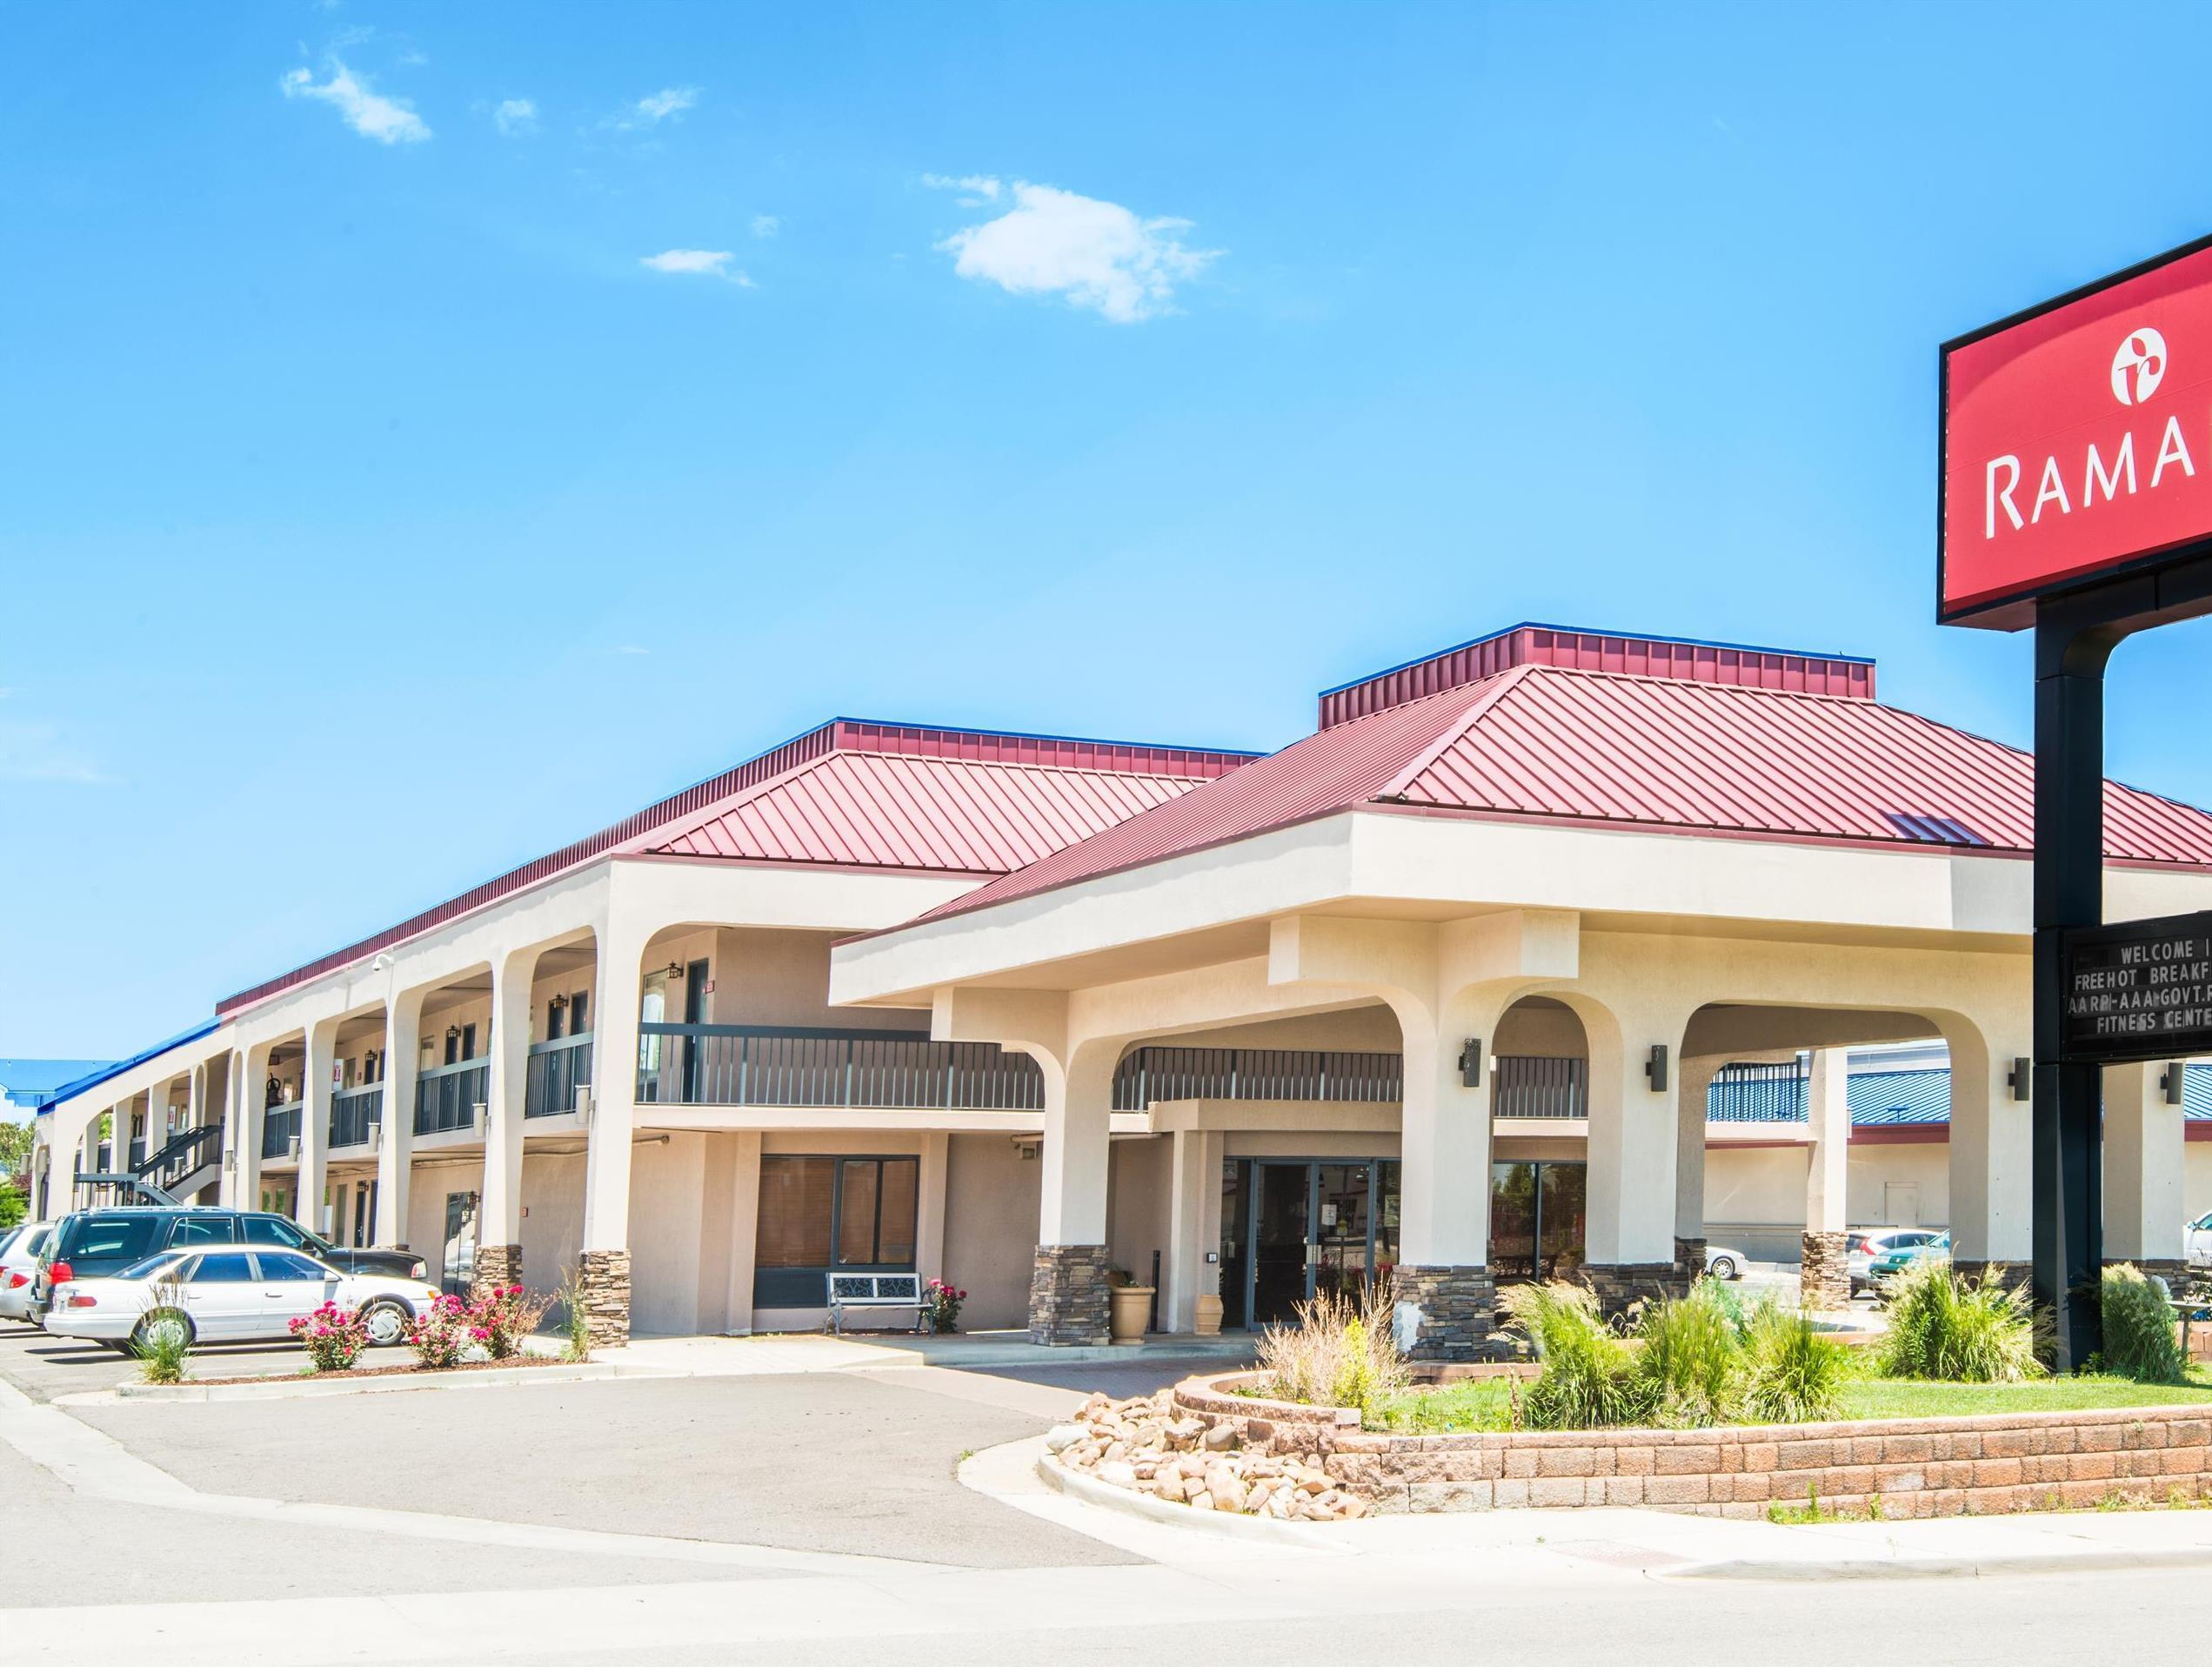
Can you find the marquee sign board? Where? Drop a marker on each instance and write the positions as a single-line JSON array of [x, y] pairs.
[[2137, 990], [2077, 441]]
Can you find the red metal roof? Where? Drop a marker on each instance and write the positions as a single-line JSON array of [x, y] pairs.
[[1686, 756], [1686, 659], [860, 793]]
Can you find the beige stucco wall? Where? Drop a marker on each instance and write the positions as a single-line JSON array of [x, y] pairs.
[[991, 1228]]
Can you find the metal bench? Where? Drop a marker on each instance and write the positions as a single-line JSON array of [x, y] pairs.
[[849, 1291]]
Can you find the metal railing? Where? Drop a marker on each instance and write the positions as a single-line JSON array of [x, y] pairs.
[[279, 1127], [1758, 1094], [446, 1096], [557, 1069], [354, 1112], [1527, 1086], [191, 1151], [758, 1065], [1522, 1086], [1148, 1075]]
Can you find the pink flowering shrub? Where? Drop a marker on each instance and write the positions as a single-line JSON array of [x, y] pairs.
[[944, 1306], [443, 1332], [504, 1316], [334, 1337]]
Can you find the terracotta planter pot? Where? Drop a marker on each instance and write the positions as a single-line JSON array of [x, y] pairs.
[[1131, 1311], [1208, 1322]]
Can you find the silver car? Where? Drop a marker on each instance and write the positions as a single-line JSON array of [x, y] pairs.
[[19, 1249], [229, 1294], [1869, 1245]]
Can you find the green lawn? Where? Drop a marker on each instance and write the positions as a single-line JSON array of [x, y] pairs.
[[1482, 1403]]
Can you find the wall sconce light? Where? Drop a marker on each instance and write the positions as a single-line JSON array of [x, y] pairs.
[[1471, 1063], [557, 1003], [2022, 1079], [2169, 1080], [1655, 1067], [452, 1032], [675, 969]]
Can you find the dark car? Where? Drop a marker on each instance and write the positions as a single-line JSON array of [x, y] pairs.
[[93, 1242]]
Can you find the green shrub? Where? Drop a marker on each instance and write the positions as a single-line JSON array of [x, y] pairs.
[[1589, 1379], [1691, 1356], [1793, 1372], [2139, 1340], [1946, 1325]]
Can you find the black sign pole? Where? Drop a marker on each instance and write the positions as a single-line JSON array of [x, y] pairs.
[[2068, 1137]]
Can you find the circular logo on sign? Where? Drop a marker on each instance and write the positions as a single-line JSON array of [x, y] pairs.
[[2138, 366]]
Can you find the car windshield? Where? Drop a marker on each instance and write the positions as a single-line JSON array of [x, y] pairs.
[[148, 1266]]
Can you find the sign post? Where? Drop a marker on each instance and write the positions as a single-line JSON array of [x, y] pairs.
[[2075, 495]]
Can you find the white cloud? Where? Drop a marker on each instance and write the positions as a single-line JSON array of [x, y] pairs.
[[1098, 255], [654, 109], [700, 262], [36, 753], [980, 188], [514, 116], [388, 121], [765, 225]]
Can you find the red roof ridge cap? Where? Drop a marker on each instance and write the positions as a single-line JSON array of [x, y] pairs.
[[1486, 692]]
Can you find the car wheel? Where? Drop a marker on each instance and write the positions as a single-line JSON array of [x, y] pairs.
[[387, 1322], [143, 1333], [1725, 1267]]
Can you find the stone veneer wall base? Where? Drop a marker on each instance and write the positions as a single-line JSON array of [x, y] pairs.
[[1824, 1276], [1689, 1257], [498, 1266], [1619, 1284], [1069, 1296], [603, 1278], [1456, 1308]]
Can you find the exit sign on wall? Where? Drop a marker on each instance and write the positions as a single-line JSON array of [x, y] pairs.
[[2076, 440]]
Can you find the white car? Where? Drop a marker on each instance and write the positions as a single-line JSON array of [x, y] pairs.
[[234, 1294], [1869, 1245], [19, 1249], [1723, 1264]]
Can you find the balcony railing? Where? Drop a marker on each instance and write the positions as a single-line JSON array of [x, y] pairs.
[[1147, 1075], [754, 1065], [1758, 1094], [446, 1096], [1526, 1086], [1522, 1085], [193, 1149], [279, 1128], [354, 1112], [556, 1071]]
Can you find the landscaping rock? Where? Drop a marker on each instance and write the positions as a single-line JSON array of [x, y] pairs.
[[1143, 1446]]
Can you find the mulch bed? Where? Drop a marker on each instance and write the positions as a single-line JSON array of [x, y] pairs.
[[378, 1371]]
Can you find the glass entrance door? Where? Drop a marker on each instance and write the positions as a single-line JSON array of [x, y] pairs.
[[1345, 1205], [1280, 1277]]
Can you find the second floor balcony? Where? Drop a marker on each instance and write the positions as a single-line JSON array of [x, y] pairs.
[[446, 1096], [757, 1065], [354, 1112], [279, 1128]]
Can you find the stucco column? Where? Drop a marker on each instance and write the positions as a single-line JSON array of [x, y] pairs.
[[1690, 1118], [1447, 1299], [403, 1024], [744, 1226], [498, 1254], [1824, 1274], [603, 1271], [929, 1206], [1195, 1170], [1067, 1281], [1634, 1135], [1991, 1154], [2145, 1149], [314, 1124]]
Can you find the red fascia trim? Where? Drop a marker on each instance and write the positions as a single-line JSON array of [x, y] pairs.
[[2197, 1131], [1901, 1133]]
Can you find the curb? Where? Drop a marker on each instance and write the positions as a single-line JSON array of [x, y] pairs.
[[305, 1387], [1306, 1537], [2100, 1561]]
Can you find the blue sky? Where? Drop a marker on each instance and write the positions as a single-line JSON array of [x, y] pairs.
[[431, 432]]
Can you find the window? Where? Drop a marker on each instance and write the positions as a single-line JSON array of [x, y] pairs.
[[282, 1264], [822, 1212], [204, 1229], [112, 1238], [237, 1269], [271, 1229]]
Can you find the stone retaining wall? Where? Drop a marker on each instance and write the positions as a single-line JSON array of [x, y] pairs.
[[1905, 1467]]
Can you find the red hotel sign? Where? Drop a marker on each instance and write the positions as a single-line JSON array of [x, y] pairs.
[[2077, 439]]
